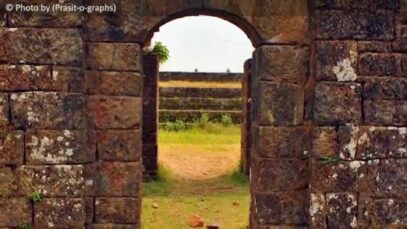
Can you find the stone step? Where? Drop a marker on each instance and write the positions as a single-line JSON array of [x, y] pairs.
[[191, 92], [192, 115], [201, 76], [234, 104]]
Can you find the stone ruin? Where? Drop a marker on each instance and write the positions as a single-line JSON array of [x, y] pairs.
[[328, 111]]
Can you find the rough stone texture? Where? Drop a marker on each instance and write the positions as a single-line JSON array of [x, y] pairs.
[[386, 212], [4, 109], [282, 64], [281, 104], [52, 181], [113, 179], [379, 64], [14, 212], [11, 147], [336, 60], [342, 210], [385, 112], [324, 142], [384, 88], [48, 110], [288, 207], [114, 83], [50, 211], [386, 177], [119, 145], [335, 24], [7, 182], [337, 103], [117, 210], [108, 56], [60, 147], [114, 112], [282, 142], [42, 46], [360, 4]]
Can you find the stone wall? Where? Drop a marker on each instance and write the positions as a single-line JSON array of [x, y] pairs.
[[328, 112]]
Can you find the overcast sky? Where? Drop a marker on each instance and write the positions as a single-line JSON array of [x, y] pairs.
[[207, 43]]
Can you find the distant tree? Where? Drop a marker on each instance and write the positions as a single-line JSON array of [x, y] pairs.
[[162, 52], [196, 70], [228, 70]]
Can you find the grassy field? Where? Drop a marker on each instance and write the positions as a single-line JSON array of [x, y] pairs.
[[220, 197], [203, 84]]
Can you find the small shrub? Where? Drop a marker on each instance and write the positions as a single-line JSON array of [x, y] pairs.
[[226, 120], [203, 121], [36, 196], [162, 52], [26, 226], [178, 125]]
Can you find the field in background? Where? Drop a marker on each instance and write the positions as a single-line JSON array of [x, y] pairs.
[[198, 176]]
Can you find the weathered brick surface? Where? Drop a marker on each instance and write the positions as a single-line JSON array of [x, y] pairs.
[[387, 177], [385, 112], [281, 104], [336, 60], [282, 142], [379, 64], [119, 145], [109, 56], [50, 211], [114, 179], [342, 210], [324, 142], [337, 103], [4, 109], [114, 83], [60, 147], [48, 110], [279, 174], [335, 24], [284, 64], [7, 182], [42, 46], [374, 46], [114, 112], [361, 4], [52, 181], [14, 212], [11, 147], [288, 207], [117, 210], [385, 88], [383, 212]]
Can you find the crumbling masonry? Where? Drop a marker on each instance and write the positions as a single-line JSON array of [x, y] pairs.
[[328, 111]]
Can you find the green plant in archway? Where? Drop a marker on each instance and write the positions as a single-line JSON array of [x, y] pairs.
[[162, 52]]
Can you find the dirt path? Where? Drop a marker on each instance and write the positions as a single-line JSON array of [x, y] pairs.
[[198, 162]]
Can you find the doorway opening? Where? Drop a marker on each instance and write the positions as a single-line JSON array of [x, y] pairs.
[[196, 123]]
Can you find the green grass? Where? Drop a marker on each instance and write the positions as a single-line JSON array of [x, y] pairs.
[[216, 134]]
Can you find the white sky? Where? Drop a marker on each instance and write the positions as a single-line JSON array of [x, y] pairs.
[[207, 43]]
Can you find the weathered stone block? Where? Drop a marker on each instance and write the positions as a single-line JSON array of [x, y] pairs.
[[90, 209], [60, 147], [110, 56], [114, 83], [337, 103], [382, 212], [11, 147], [114, 178], [384, 88], [52, 181], [117, 210], [385, 112], [400, 44], [7, 182], [360, 4], [68, 79], [338, 176], [114, 112], [387, 177], [280, 104], [324, 142], [317, 211], [279, 175], [374, 46], [342, 210], [48, 110], [282, 142], [42, 46], [336, 60], [335, 24], [50, 211], [42, 19], [379, 64], [287, 207], [4, 110], [282, 64], [14, 212], [119, 145]]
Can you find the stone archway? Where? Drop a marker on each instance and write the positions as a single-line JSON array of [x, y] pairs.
[[328, 108]]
